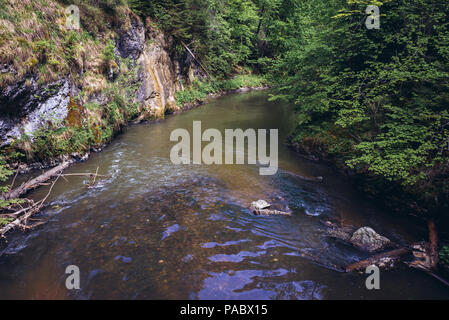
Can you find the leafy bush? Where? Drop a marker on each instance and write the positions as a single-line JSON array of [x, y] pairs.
[[444, 255], [4, 175], [200, 89]]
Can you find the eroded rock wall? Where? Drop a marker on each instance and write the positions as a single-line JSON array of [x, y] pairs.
[[26, 107]]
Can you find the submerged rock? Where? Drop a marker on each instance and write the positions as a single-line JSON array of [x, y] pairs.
[[369, 240], [259, 207], [259, 204]]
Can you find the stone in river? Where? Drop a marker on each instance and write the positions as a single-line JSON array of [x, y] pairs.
[[260, 208], [258, 205], [368, 239]]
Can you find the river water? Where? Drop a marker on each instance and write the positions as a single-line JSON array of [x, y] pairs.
[[155, 230]]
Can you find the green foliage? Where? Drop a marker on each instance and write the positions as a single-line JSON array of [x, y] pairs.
[[222, 33], [70, 43], [374, 100], [5, 221], [108, 53], [4, 175], [444, 255], [199, 90]]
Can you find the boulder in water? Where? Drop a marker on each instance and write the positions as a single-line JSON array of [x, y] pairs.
[[259, 207], [259, 204], [369, 240]]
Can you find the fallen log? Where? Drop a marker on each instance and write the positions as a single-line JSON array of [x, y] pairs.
[[376, 259], [22, 220], [268, 212], [36, 182], [21, 215]]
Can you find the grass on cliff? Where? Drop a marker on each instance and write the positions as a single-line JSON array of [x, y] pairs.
[[86, 125], [35, 43], [199, 90], [34, 39]]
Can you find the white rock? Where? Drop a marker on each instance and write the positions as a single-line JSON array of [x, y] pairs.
[[368, 239], [259, 204]]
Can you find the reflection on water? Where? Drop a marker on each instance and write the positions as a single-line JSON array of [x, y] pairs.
[[154, 230]]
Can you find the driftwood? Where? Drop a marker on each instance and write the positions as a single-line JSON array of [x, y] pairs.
[[36, 182], [261, 208], [22, 220], [269, 212], [376, 259], [22, 215]]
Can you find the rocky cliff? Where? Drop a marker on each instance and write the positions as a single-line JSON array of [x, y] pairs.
[[143, 76]]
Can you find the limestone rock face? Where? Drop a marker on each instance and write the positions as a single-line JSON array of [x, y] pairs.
[[132, 41], [368, 239], [157, 74], [26, 106], [35, 109]]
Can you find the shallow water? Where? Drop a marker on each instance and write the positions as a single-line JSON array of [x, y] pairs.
[[154, 230]]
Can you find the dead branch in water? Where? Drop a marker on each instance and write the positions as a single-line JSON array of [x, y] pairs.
[[34, 183], [95, 177], [429, 272], [313, 179], [360, 265], [23, 214], [22, 220]]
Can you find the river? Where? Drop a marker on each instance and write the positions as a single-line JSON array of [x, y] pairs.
[[155, 230]]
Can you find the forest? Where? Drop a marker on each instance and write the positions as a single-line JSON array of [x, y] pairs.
[[371, 102]]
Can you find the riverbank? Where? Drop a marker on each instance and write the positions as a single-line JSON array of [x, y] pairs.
[[391, 195], [192, 97]]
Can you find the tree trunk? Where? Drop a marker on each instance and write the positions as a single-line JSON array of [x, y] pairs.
[[433, 240]]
